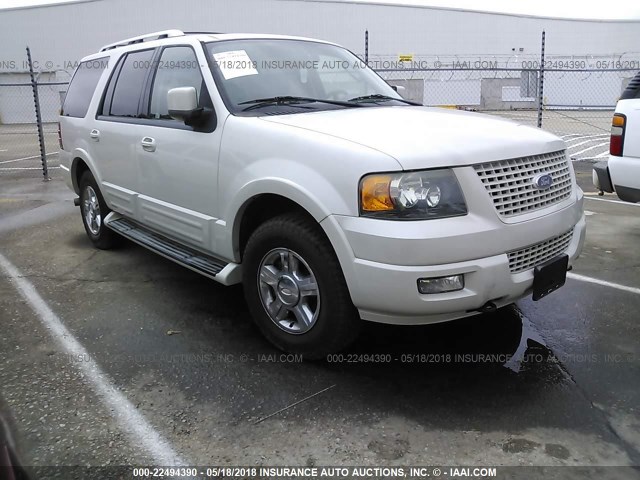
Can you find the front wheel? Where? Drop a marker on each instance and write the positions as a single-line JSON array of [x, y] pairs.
[[295, 289]]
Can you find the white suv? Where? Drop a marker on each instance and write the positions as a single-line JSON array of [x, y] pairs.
[[287, 165], [621, 173]]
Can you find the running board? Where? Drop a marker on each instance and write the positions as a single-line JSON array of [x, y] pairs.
[[224, 272]]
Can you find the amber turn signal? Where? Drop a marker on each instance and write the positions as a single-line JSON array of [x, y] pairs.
[[374, 193]]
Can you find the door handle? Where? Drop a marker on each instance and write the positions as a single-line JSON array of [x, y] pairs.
[[95, 135], [148, 144]]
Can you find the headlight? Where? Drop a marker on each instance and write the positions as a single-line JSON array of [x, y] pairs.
[[412, 195]]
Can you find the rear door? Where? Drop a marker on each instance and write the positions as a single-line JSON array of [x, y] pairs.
[[117, 133], [178, 164], [76, 119]]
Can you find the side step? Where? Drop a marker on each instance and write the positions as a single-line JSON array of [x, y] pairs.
[[190, 258]]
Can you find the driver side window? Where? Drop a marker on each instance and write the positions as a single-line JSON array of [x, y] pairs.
[[177, 67]]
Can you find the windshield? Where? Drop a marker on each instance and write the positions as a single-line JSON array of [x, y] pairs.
[[293, 76]]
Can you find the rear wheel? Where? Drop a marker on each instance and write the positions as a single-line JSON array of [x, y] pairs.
[[295, 288], [94, 209]]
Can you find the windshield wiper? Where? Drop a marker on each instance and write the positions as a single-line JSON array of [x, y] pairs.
[[291, 100], [376, 97]]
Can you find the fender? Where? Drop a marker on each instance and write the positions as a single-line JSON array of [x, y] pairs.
[[230, 236], [81, 154]]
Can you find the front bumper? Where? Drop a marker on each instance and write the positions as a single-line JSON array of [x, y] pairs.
[[385, 291]]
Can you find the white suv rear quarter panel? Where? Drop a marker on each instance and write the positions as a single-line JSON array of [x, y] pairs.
[[625, 170]]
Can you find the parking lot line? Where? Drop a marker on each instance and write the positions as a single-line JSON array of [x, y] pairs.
[[588, 137], [24, 158], [580, 135], [580, 143], [20, 159], [620, 202], [604, 283], [140, 431], [26, 168], [590, 148]]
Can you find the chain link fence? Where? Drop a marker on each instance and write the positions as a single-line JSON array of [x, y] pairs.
[[576, 104], [21, 149], [575, 100]]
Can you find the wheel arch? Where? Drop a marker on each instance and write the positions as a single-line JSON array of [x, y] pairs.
[[79, 165], [258, 209]]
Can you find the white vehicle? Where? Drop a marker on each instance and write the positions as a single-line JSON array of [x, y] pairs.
[[286, 164], [621, 173]]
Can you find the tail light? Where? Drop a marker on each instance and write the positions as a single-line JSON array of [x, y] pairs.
[[60, 137], [617, 134]]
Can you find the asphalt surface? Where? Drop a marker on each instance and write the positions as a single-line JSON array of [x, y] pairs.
[[552, 383]]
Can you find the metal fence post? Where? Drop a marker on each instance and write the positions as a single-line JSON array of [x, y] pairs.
[[366, 47], [541, 83], [36, 101]]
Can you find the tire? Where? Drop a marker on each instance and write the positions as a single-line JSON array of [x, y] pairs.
[[93, 210], [282, 258]]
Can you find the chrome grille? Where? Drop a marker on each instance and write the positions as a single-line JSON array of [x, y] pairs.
[[529, 257], [510, 182]]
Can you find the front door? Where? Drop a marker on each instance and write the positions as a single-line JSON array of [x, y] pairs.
[[178, 164]]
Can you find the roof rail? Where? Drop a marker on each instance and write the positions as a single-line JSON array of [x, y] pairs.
[[204, 33], [143, 38]]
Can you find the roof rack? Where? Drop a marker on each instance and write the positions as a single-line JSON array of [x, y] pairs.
[[144, 38], [204, 33]]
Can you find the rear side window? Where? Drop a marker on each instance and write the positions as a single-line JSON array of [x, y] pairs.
[[83, 86], [129, 84]]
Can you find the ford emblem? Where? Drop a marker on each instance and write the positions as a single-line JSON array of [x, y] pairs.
[[543, 181]]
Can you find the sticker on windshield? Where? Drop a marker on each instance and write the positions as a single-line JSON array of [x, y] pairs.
[[235, 64]]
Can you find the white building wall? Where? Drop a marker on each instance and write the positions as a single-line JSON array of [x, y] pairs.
[[64, 33], [60, 35]]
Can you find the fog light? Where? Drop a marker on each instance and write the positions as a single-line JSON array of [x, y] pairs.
[[441, 284]]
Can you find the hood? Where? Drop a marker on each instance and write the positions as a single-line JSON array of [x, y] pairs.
[[423, 137]]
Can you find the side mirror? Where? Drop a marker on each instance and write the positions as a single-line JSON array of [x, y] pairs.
[[398, 88], [182, 104]]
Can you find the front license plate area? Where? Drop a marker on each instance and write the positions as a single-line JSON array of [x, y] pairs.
[[549, 276]]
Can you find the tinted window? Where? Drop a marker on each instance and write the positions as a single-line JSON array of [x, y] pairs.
[[126, 94], [177, 67], [106, 103], [82, 86]]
